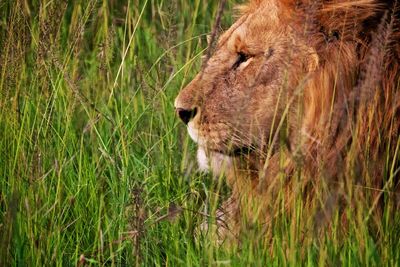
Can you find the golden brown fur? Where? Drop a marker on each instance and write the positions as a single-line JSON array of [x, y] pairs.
[[304, 91]]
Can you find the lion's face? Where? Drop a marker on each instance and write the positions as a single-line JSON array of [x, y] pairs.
[[235, 103]]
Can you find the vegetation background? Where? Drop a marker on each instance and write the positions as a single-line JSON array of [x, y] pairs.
[[95, 168]]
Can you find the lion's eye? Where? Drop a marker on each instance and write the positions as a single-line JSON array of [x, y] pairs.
[[242, 57]]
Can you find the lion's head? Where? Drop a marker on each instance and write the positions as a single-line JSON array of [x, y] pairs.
[[301, 77], [285, 69], [233, 105]]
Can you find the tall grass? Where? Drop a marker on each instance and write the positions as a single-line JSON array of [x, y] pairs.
[[96, 169]]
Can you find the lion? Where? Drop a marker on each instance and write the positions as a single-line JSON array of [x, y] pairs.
[[300, 98]]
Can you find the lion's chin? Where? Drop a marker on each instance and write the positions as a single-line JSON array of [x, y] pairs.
[[202, 160], [213, 161]]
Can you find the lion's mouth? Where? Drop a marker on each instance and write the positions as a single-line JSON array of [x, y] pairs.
[[231, 151], [243, 151], [234, 152]]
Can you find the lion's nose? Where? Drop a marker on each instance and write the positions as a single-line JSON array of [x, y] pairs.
[[186, 115]]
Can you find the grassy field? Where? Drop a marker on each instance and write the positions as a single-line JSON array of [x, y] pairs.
[[95, 167]]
